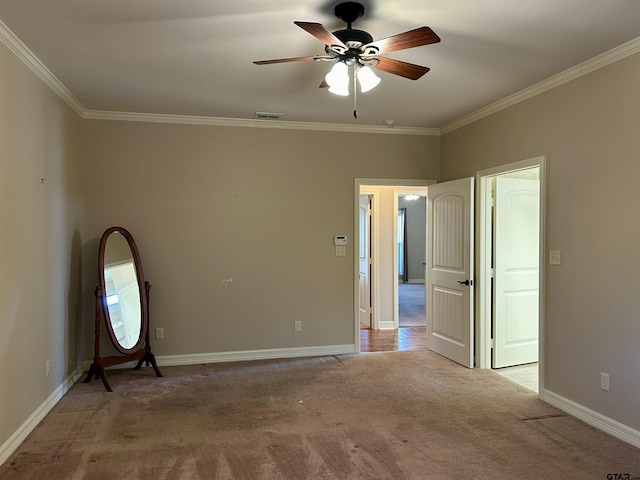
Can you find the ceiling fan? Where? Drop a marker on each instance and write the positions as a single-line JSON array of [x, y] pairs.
[[357, 49]]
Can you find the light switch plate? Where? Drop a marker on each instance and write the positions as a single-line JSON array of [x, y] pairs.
[[341, 251], [555, 257]]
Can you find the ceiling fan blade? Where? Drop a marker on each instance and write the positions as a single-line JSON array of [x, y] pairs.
[[413, 38], [324, 84], [322, 34], [404, 69], [294, 59]]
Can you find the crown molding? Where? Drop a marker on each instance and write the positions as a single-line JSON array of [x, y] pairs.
[[21, 51], [254, 123], [599, 61], [8, 38]]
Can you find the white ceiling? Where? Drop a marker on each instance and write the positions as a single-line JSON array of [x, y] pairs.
[[194, 57]]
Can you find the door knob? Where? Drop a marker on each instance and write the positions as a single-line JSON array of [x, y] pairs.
[[466, 282]]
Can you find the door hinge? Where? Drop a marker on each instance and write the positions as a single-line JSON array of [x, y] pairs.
[[491, 343]]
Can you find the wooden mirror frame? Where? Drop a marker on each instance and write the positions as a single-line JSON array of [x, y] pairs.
[[141, 351]]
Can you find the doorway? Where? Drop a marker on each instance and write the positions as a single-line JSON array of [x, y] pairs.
[[510, 236], [411, 234], [383, 195]]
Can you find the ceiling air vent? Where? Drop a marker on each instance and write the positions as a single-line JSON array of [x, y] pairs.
[[268, 115]]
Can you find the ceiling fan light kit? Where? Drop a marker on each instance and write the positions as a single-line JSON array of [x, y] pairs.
[[354, 48]]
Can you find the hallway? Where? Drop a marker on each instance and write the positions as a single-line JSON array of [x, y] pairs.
[[411, 309]]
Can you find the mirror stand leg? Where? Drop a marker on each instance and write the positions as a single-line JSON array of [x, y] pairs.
[[92, 370], [155, 366], [150, 360], [96, 367], [103, 376], [98, 370]]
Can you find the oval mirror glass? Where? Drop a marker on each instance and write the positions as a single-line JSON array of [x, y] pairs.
[[122, 289]]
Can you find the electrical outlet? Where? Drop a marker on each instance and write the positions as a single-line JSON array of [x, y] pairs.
[[297, 325], [341, 251], [47, 367], [159, 333], [604, 381]]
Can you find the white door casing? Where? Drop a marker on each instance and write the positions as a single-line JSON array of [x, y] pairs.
[[449, 283], [516, 270]]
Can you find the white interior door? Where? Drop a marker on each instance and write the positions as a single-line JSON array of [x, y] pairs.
[[365, 261], [449, 283], [516, 263]]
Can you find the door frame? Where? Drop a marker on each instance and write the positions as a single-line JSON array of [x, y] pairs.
[[483, 246], [374, 300], [371, 186]]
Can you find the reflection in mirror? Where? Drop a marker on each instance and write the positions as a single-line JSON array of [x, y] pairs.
[[122, 293]]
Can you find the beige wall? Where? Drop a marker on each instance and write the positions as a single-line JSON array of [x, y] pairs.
[[41, 241], [257, 206], [416, 217], [588, 129]]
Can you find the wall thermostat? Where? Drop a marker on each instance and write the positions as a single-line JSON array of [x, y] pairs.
[[339, 240]]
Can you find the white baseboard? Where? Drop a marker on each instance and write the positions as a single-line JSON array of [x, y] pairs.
[[239, 356], [415, 280], [14, 441], [387, 325], [595, 419]]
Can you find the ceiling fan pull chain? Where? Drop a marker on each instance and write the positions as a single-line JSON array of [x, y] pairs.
[[355, 93]]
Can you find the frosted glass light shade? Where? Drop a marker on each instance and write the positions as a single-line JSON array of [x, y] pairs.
[[368, 80], [338, 79], [342, 90]]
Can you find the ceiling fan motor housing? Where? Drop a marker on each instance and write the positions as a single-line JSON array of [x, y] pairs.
[[353, 38], [349, 12]]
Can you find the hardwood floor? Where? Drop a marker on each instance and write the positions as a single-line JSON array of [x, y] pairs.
[[405, 338]]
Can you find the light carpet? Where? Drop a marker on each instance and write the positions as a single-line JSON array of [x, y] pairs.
[[395, 415]]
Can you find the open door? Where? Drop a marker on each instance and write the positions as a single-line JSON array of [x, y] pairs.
[[449, 283], [516, 265], [364, 261]]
